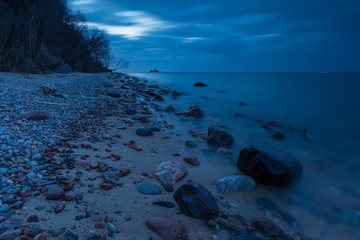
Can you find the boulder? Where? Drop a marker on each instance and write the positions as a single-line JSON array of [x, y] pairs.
[[269, 166], [170, 172], [200, 84], [196, 201], [37, 115], [235, 183], [219, 136], [195, 112], [165, 228]]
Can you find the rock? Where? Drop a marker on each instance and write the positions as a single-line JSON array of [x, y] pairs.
[[37, 115], [40, 236], [59, 208], [200, 84], [235, 183], [269, 166], [156, 127], [196, 201], [192, 160], [170, 172], [278, 135], [55, 192], [165, 228], [148, 188], [114, 94], [170, 108], [267, 228], [195, 112], [144, 132], [10, 234], [164, 204], [245, 237], [71, 235], [352, 217], [108, 84], [190, 143], [33, 218], [219, 136]]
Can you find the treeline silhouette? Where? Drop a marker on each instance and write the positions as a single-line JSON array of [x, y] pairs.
[[46, 36]]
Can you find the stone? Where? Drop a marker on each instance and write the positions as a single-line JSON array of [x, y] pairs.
[[40, 236], [192, 160], [200, 84], [269, 166], [166, 228], [190, 143], [170, 108], [245, 237], [267, 228], [33, 218], [55, 192], [37, 115], [235, 183], [10, 234], [164, 204], [59, 208], [170, 172], [219, 136], [71, 235], [278, 135], [196, 201], [148, 188], [114, 94], [144, 132], [195, 112]]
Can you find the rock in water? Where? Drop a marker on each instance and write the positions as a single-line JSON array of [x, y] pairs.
[[55, 192], [170, 172], [218, 135], [148, 188], [37, 115], [166, 228], [269, 166], [195, 112], [200, 84], [235, 183], [196, 201], [144, 132]]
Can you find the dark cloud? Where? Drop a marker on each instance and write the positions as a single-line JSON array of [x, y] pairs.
[[231, 35]]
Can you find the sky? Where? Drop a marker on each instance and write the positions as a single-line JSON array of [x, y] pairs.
[[230, 35]]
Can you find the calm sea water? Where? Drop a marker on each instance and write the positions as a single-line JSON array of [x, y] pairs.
[[328, 105]]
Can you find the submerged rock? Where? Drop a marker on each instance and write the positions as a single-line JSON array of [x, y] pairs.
[[235, 183], [219, 136], [170, 172], [269, 166], [165, 228], [195, 112], [200, 84], [196, 201]]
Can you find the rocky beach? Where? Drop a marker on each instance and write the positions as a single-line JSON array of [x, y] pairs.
[[99, 156]]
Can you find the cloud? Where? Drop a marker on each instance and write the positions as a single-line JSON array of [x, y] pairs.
[[193, 39], [138, 24]]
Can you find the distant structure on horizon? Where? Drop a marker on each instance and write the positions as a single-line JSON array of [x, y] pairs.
[[155, 70]]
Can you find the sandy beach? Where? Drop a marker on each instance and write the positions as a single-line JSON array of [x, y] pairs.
[[89, 146]]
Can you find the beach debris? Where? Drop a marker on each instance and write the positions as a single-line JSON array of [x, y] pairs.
[[170, 172], [148, 188], [196, 201], [218, 135], [192, 160], [144, 131], [236, 183], [195, 112], [200, 84], [269, 166], [37, 115], [166, 228]]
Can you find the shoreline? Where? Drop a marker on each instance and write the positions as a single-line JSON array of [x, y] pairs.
[[91, 131]]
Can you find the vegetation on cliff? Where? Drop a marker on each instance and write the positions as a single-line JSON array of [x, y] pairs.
[[46, 36]]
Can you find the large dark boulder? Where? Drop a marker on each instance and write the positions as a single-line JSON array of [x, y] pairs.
[[269, 166], [219, 136], [196, 201]]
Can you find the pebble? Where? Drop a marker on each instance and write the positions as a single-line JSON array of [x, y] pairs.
[[235, 183], [148, 188], [55, 192]]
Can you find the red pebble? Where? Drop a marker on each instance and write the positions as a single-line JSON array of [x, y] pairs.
[[117, 157]]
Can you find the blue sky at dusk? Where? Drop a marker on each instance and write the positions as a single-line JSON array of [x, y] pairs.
[[230, 35]]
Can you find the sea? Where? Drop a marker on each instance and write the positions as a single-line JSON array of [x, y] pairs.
[[319, 114]]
